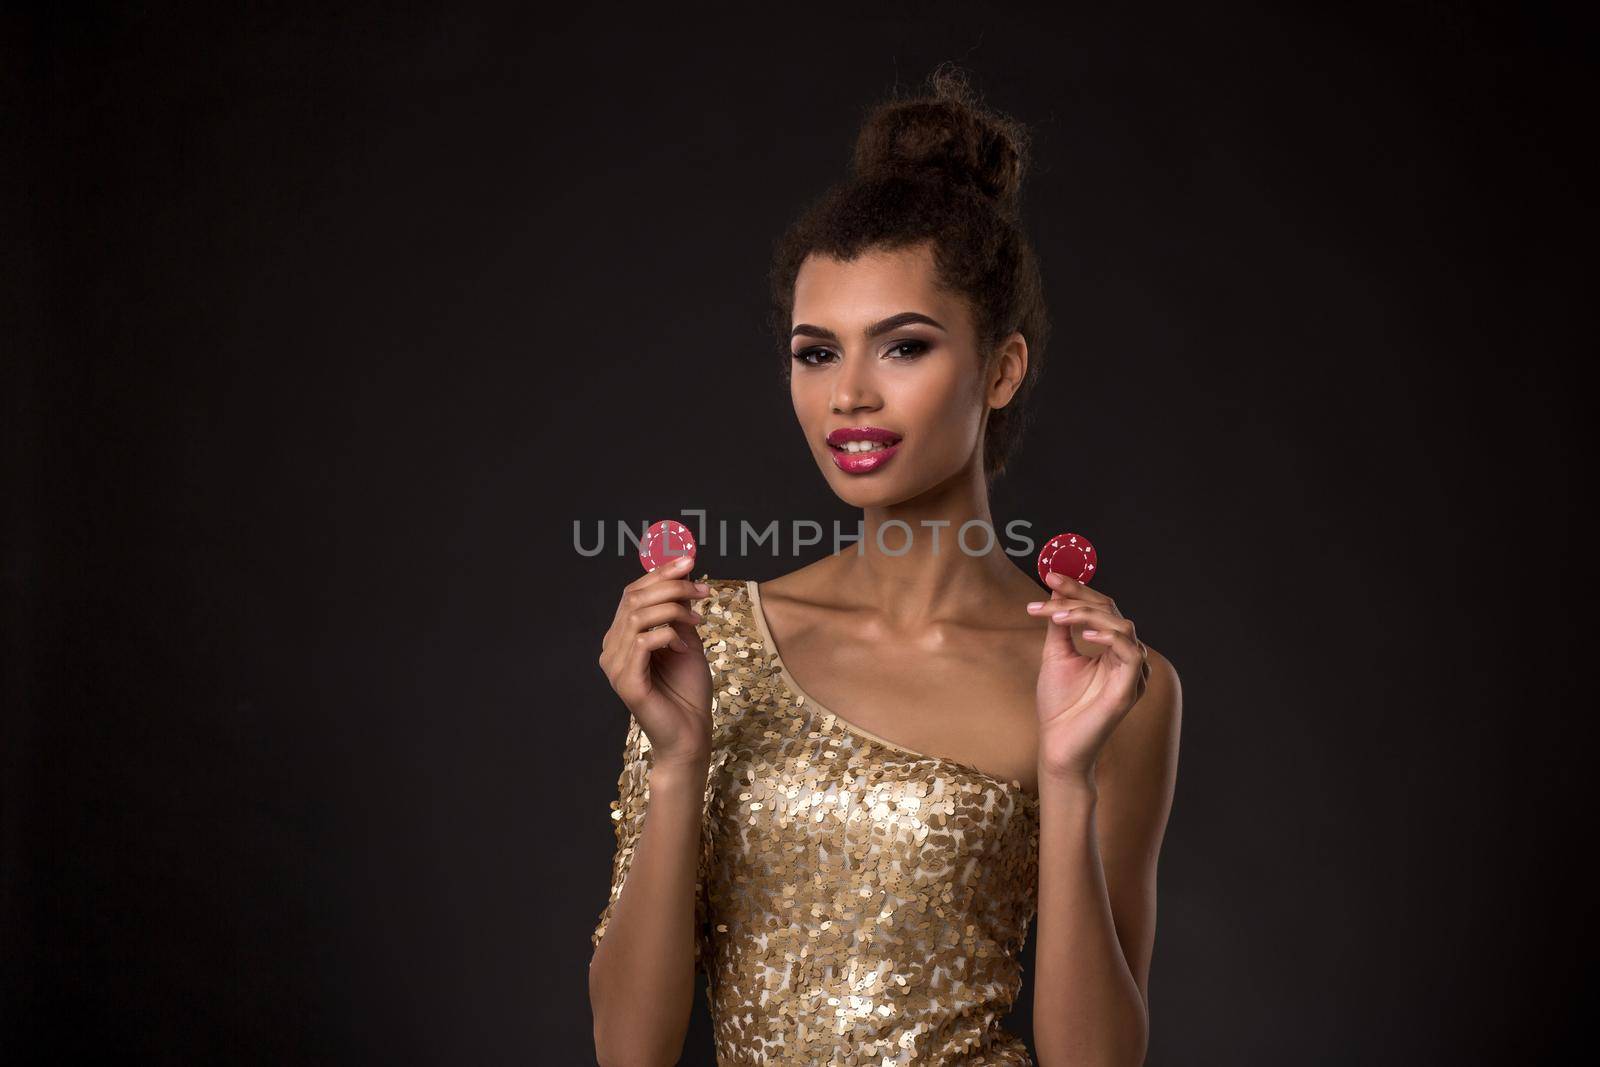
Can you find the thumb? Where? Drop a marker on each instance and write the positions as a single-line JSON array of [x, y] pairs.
[[1058, 643], [687, 640]]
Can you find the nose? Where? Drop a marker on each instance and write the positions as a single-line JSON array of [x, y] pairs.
[[853, 388]]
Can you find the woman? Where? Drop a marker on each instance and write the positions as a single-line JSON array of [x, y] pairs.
[[852, 839]]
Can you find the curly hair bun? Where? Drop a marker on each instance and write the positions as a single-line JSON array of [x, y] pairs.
[[946, 133]]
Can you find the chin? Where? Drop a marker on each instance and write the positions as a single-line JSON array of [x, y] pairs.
[[866, 491], [859, 497]]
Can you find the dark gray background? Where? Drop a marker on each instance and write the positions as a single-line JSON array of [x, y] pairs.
[[323, 328]]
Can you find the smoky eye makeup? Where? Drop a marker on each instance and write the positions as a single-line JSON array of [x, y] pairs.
[[910, 348], [904, 351]]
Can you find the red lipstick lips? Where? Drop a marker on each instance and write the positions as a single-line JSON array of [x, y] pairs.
[[863, 461]]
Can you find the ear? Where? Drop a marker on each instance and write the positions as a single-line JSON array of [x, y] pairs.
[[1007, 370]]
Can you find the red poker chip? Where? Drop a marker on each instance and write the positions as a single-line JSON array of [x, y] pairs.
[[1070, 554], [665, 542]]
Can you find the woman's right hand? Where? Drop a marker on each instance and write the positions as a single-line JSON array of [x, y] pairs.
[[654, 660]]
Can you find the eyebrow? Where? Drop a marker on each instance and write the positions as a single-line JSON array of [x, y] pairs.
[[893, 322]]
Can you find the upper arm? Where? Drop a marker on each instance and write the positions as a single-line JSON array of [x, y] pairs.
[[1134, 779], [632, 805], [628, 814]]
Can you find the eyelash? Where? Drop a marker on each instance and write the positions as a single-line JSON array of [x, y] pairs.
[[920, 346]]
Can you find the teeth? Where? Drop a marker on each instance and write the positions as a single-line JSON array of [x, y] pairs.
[[864, 446]]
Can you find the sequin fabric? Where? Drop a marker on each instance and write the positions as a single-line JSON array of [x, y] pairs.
[[858, 903]]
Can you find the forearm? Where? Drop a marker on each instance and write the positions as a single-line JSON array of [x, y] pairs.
[[1087, 1008], [641, 979]]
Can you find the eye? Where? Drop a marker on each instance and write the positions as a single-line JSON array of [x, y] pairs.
[[905, 351], [805, 354]]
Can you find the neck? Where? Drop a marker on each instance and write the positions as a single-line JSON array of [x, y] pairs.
[[911, 562]]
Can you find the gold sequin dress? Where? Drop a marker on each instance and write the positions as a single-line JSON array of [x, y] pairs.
[[857, 902]]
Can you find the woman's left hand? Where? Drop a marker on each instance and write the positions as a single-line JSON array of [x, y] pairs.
[[1081, 699]]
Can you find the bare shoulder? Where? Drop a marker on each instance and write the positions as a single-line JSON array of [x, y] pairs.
[[1147, 737], [807, 585]]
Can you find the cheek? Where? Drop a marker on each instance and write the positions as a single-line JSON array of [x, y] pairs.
[[809, 398], [948, 402]]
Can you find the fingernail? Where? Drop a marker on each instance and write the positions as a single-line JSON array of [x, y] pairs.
[[1090, 633], [1037, 604], [701, 587], [1061, 616]]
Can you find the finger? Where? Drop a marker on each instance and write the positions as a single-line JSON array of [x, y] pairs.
[[657, 615], [1081, 611], [636, 669], [679, 593], [1072, 589], [660, 584], [1119, 645], [1058, 643], [688, 637], [631, 620], [1094, 618], [675, 568], [676, 589], [675, 565]]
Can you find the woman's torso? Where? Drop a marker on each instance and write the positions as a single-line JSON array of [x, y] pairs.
[[867, 904], [962, 687]]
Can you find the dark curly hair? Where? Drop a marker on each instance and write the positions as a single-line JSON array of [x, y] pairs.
[[936, 167]]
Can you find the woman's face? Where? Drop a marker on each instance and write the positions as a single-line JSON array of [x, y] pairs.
[[876, 344]]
